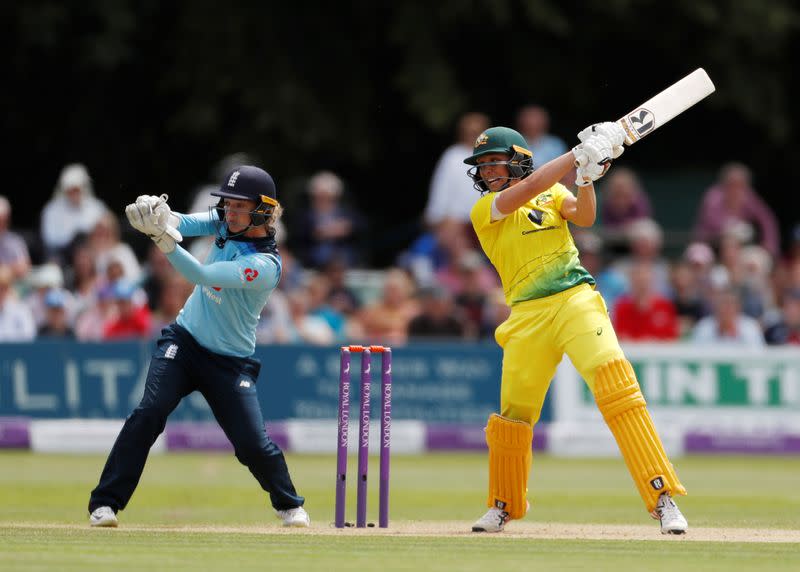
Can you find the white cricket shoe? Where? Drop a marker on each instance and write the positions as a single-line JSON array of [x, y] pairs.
[[297, 517], [494, 520], [672, 521], [103, 516]]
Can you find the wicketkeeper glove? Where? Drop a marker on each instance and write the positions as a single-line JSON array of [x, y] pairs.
[[152, 216]]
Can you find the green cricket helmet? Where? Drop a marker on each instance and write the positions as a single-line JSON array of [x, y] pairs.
[[500, 140]]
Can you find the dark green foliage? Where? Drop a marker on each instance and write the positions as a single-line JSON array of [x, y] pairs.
[[151, 94]]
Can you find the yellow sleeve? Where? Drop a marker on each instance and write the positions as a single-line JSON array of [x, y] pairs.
[[560, 192], [481, 213]]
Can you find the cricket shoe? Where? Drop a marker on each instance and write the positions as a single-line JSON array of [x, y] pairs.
[[103, 516], [494, 520], [296, 517], [672, 521]]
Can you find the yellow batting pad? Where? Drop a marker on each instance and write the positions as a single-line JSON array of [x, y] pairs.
[[509, 464], [623, 407]]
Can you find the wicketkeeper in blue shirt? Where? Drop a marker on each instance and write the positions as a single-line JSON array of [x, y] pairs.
[[209, 348]]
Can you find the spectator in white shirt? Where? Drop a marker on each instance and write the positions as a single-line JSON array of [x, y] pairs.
[[16, 320], [728, 325], [451, 193], [73, 210]]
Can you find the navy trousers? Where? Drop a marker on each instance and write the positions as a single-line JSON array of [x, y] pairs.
[[178, 367]]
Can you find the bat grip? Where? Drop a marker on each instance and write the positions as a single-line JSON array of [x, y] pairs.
[[606, 161]]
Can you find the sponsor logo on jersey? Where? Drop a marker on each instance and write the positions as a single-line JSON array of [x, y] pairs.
[[211, 296], [531, 231], [250, 274], [543, 199], [536, 216]]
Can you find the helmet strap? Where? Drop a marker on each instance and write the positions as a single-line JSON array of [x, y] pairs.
[[259, 217]]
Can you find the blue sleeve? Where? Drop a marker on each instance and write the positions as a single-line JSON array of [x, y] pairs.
[[198, 224], [251, 272]]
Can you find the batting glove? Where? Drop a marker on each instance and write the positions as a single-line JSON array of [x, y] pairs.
[[609, 129]]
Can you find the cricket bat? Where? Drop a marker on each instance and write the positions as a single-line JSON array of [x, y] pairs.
[[665, 106]]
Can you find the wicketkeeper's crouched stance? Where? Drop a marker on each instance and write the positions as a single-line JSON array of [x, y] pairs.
[[209, 348], [521, 221]]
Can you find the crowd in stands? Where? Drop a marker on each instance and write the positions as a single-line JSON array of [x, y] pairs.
[[730, 283]]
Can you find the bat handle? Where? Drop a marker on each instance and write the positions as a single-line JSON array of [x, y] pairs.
[[606, 162], [577, 162]]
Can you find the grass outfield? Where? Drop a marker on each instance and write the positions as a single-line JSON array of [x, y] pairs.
[[194, 512]]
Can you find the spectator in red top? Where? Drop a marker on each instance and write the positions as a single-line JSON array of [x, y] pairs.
[[643, 314], [733, 199], [132, 320]]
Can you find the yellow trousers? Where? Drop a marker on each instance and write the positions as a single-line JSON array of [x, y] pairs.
[[534, 339], [538, 333]]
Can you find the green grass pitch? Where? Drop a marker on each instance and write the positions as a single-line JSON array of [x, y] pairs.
[[206, 512]]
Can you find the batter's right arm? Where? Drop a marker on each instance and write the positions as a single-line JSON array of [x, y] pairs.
[[581, 210], [537, 182]]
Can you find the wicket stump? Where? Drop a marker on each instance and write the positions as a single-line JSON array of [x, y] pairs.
[[343, 422]]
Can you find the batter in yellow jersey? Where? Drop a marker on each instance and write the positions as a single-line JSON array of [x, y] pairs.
[[532, 248], [521, 221]]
